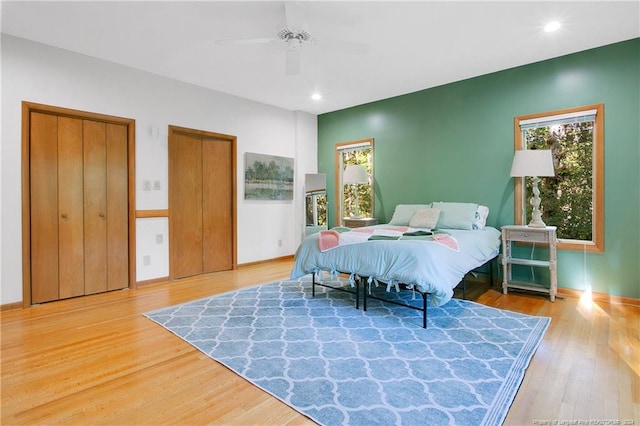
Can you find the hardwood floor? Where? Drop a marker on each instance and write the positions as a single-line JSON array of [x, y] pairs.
[[97, 360]]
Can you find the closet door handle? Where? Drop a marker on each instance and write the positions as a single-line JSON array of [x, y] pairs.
[[101, 214], [64, 216]]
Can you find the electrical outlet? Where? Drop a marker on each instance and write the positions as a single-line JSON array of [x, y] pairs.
[[156, 185], [146, 185], [146, 260], [279, 243], [159, 238]]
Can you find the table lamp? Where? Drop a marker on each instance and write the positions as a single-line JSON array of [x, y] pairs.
[[533, 163], [354, 175]]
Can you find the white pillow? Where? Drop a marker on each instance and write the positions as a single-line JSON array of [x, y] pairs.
[[404, 212], [425, 218], [456, 215], [481, 217]]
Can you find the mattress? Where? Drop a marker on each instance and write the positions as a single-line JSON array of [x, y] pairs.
[[423, 264]]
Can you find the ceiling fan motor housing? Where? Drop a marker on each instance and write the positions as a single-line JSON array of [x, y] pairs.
[[288, 35]]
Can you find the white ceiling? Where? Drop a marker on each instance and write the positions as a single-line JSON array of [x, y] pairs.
[[412, 45]]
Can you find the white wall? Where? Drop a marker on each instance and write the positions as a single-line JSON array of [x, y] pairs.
[[38, 73], [306, 162]]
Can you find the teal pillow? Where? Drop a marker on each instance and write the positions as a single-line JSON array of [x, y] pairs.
[[404, 212], [456, 215]]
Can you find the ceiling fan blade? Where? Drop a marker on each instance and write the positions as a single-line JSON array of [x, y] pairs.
[[294, 16], [241, 41], [293, 62], [342, 46]]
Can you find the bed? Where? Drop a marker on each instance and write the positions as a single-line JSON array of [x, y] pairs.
[[430, 256]]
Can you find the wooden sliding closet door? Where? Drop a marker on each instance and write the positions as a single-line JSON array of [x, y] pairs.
[[117, 212], [71, 207], [201, 202], [185, 183], [44, 205], [105, 202], [78, 218], [95, 205], [217, 203]]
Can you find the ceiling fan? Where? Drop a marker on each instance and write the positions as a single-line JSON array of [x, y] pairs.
[[294, 34]]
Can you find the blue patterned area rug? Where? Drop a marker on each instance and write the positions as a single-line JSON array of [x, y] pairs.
[[339, 365]]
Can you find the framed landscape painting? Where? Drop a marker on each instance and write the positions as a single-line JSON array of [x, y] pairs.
[[268, 177]]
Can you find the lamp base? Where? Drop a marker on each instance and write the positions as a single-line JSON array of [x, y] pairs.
[[539, 224], [536, 217]]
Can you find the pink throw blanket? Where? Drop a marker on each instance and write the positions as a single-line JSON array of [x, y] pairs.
[[332, 238]]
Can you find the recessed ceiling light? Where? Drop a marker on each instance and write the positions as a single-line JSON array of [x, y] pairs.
[[316, 96], [552, 26]]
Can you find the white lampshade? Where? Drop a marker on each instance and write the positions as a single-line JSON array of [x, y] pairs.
[[315, 182], [355, 174], [532, 162]]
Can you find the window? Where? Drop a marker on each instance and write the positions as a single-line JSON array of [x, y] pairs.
[[354, 153], [316, 208], [573, 199], [316, 200]]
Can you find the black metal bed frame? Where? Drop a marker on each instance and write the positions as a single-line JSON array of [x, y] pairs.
[[422, 308], [346, 290]]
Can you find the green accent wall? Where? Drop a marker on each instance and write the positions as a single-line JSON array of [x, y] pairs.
[[455, 143]]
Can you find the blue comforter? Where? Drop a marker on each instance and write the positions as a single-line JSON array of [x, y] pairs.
[[426, 265]]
